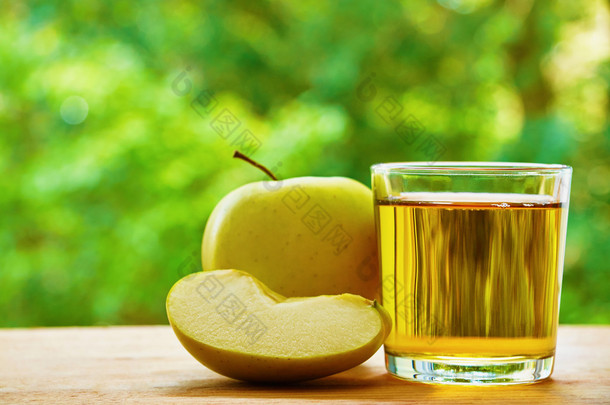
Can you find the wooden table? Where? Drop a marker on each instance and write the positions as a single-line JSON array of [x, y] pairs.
[[146, 364]]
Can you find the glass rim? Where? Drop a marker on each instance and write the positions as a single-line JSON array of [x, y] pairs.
[[469, 167]]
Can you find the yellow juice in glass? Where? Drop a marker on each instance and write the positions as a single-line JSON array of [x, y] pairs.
[[471, 275]]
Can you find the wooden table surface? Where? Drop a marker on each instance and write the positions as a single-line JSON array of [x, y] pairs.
[[146, 364]]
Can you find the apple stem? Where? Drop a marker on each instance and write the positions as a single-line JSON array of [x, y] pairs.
[[237, 154]]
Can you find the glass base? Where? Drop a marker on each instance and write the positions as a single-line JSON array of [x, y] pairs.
[[469, 370]]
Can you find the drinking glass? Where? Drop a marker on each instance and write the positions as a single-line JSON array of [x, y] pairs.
[[471, 257]]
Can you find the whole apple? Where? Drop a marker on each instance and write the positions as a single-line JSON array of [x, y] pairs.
[[303, 236]]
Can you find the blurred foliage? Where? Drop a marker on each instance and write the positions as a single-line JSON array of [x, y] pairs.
[[109, 172]]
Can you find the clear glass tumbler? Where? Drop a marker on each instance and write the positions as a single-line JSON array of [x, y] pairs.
[[471, 257]]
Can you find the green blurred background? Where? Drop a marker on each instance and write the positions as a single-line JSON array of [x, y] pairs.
[[111, 162]]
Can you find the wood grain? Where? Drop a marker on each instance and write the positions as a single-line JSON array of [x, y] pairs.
[[146, 364]]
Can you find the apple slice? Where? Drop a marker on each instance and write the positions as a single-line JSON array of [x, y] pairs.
[[233, 324]]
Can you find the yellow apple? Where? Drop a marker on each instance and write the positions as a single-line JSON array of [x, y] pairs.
[[233, 324], [303, 236]]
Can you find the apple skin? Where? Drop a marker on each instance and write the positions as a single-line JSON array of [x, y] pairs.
[[303, 236], [186, 309], [261, 369]]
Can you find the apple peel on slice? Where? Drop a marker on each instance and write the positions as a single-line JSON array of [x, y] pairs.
[[233, 324]]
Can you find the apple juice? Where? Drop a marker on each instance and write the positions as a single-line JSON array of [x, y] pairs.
[[471, 274]]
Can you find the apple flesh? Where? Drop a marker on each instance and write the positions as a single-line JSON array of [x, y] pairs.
[[303, 236], [233, 324]]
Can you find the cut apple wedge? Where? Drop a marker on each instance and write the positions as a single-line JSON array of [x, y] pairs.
[[233, 324]]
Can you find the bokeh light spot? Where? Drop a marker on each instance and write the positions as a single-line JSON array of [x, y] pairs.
[[74, 110]]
